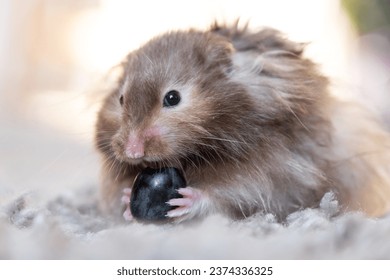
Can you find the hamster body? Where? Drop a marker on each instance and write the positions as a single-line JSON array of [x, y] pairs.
[[248, 120]]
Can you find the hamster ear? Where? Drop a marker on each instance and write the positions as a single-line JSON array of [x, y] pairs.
[[219, 53], [266, 39], [270, 39]]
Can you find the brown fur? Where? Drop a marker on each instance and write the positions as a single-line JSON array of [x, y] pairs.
[[257, 130]]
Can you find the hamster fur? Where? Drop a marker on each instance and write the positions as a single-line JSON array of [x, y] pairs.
[[255, 130]]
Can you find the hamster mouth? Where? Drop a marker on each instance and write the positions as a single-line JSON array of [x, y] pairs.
[[144, 163], [137, 161], [155, 163]]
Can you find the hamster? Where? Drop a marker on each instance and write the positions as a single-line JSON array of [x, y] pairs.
[[248, 119]]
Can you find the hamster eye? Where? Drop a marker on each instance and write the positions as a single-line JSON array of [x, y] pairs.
[[172, 98], [121, 100]]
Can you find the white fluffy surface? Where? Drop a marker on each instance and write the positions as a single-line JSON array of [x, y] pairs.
[[70, 227]]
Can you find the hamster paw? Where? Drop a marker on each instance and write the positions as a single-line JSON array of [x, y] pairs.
[[189, 204], [126, 200]]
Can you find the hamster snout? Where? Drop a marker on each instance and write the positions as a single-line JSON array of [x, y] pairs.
[[135, 147], [135, 144]]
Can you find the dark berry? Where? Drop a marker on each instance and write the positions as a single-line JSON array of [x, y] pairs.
[[152, 189]]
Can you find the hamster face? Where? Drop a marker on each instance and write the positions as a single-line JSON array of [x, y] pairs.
[[175, 101]]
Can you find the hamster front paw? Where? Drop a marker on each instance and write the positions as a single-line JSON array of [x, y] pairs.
[[190, 205], [126, 200]]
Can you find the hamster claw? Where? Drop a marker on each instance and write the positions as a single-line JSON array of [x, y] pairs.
[[187, 204], [125, 199]]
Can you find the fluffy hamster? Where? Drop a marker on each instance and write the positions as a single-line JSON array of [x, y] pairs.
[[248, 119]]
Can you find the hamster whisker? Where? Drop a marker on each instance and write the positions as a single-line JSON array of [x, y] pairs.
[[225, 140]]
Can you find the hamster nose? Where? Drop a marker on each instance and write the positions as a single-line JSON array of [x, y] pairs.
[[134, 147]]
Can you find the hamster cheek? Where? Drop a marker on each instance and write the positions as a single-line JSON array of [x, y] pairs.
[[155, 148], [155, 145]]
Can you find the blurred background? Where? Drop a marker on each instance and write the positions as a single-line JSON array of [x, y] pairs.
[[57, 59]]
